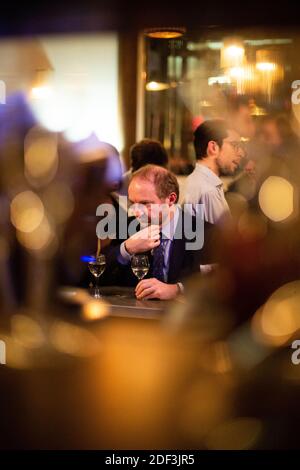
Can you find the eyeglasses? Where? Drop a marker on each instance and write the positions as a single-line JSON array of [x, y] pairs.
[[236, 144]]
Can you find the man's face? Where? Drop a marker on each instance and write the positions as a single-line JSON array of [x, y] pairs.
[[243, 122], [270, 135], [230, 154], [147, 207]]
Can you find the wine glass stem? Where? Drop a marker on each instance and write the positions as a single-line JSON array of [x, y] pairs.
[[97, 291]]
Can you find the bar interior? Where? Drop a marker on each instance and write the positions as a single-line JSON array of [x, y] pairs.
[[150, 231]]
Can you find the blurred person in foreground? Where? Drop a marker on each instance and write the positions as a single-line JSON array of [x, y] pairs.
[[96, 172], [276, 152], [16, 120], [279, 139], [218, 153], [165, 233]]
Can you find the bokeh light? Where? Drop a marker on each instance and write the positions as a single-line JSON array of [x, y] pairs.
[[41, 92], [41, 160], [95, 310], [279, 319], [216, 358], [27, 211], [205, 404], [276, 198], [59, 201], [38, 239], [27, 331], [236, 434], [73, 340], [157, 86]]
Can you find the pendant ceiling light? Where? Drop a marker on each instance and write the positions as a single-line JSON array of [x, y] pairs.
[[168, 32]]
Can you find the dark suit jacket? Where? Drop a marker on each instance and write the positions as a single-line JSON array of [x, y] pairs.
[[182, 261]]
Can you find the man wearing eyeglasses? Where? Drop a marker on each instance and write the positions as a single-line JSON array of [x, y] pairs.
[[218, 153]]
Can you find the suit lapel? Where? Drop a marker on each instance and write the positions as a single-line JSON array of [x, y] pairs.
[[176, 257]]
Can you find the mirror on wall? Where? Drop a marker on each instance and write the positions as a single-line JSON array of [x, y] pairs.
[[239, 75]]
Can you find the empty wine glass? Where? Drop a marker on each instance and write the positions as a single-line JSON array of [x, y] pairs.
[[97, 267], [140, 266]]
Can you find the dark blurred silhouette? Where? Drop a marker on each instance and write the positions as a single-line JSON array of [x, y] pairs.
[[96, 175], [144, 152], [279, 138], [239, 116]]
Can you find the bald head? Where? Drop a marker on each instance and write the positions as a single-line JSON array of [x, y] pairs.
[[163, 180]]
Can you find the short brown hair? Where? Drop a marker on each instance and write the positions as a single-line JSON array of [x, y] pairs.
[[164, 181], [212, 129]]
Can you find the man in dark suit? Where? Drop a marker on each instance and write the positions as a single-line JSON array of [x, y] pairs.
[[172, 239]]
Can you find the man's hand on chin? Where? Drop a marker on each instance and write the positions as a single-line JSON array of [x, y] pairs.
[[155, 289]]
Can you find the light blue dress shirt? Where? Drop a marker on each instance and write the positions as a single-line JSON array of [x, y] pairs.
[[203, 186]]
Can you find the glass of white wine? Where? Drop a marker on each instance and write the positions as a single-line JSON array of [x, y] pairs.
[[97, 267], [140, 266]]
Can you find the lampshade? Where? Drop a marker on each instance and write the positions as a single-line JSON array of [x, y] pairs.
[[267, 59], [168, 32], [232, 52]]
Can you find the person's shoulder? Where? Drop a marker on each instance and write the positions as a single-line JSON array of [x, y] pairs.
[[209, 193], [196, 188], [195, 174]]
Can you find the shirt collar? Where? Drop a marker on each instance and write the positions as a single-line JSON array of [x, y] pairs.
[[169, 228], [210, 175]]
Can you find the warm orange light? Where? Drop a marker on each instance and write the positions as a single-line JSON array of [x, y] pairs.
[[232, 53], [41, 92], [27, 211], [73, 340], [236, 434], [235, 51], [41, 159], [276, 198], [53, 195], [95, 310], [157, 86], [266, 66], [27, 331], [37, 239], [165, 33], [276, 322], [238, 72]]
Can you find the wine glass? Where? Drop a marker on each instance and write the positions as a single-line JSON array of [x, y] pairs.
[[97, 267], [140, 266]]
